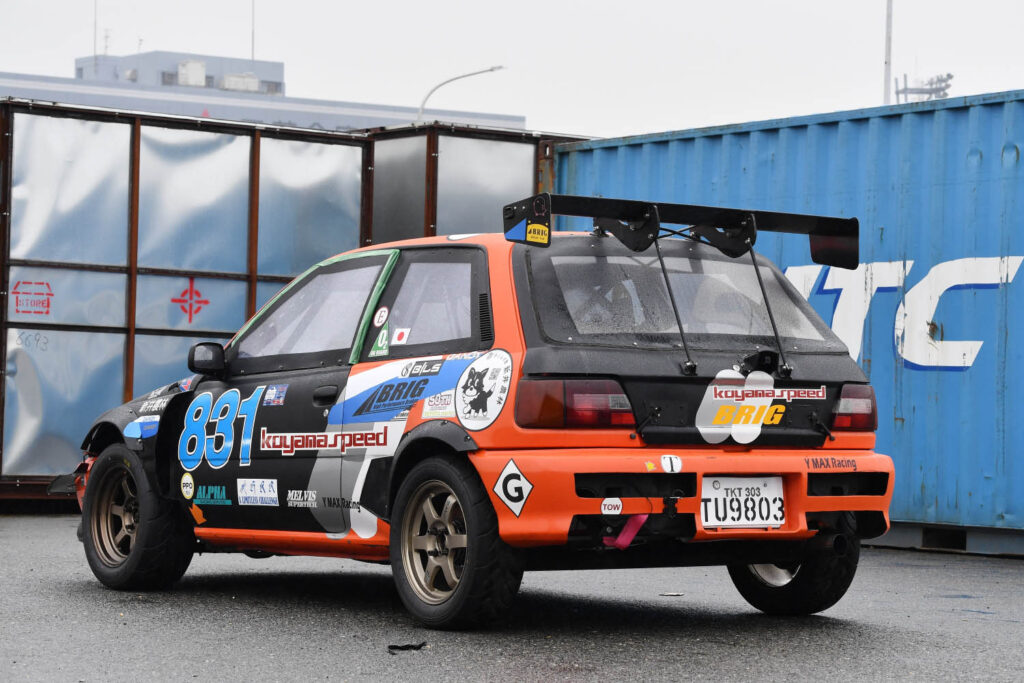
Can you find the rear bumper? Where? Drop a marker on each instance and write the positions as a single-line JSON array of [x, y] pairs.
[[566, 488]]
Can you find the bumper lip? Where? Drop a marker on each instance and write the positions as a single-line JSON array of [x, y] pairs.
[[545, 517]]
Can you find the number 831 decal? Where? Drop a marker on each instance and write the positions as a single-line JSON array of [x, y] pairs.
[[195, 444]]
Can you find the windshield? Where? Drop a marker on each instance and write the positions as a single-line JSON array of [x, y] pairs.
[[594, 290]]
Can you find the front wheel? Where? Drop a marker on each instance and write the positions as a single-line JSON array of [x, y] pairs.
[[450, 566], [134, 538], [818, 582]]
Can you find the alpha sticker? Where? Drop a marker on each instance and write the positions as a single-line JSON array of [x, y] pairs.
[[211, 495], [257, 492], [401, 336], [482, 390], [513, 488], [439, 405], [380, 344], [274, 395], [671, 463], [611, 506], [381, 316], [188, 486]]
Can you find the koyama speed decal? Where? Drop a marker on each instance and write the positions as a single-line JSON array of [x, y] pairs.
[[513, 488], [289, 443], [482, 390], [738, 406]]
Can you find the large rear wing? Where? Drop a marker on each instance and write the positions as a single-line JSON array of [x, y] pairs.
[[833, 241]]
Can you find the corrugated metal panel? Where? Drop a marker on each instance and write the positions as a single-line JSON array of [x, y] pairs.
[[934, 309]]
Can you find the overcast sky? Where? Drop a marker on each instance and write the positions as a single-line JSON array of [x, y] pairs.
[[595, 68]]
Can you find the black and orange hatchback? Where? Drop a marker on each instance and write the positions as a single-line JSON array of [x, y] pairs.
[[473, 406]]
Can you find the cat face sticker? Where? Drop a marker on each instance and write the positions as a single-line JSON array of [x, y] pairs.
[[482, 389]]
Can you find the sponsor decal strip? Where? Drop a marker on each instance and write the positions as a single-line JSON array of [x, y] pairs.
[[289, 442], [740, 395]]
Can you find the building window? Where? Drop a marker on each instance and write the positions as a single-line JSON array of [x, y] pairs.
[[272, 87], [168, 78], [78, 72], [209, 81]]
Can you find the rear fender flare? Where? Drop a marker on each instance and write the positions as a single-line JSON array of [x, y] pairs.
[[430, 438]]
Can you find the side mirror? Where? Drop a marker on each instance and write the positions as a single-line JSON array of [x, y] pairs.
[[206, 358]]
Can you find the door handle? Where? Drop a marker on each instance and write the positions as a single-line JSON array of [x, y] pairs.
[[325, 395]]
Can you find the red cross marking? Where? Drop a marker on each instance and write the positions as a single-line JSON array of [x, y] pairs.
[[191, 300]]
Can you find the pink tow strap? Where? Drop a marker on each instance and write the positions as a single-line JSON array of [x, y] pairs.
[[627, 534]]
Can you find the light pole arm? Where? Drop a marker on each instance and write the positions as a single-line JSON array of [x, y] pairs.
[[419, 114]]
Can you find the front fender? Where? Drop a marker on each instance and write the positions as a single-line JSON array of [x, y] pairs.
[[137, 425]]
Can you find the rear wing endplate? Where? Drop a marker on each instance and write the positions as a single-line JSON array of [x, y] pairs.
[[834, 241]]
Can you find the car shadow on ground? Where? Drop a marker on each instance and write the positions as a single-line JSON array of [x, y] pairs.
[[371, 597]]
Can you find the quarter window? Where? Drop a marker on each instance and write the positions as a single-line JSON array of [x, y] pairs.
[[320, 314]]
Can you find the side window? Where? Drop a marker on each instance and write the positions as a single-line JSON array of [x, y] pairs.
[[435, 302], [319, 315]]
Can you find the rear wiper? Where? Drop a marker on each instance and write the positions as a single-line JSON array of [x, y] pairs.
[[784, 369]]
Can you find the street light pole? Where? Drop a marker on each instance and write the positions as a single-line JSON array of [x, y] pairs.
[[419, 115], [888, 50]]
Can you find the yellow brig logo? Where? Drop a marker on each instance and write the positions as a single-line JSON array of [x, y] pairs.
[[748, 415], [535, 232]]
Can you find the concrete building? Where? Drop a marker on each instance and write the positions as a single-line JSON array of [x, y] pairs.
[[184, 84]]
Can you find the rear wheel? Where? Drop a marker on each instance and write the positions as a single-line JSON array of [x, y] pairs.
[[451, 567], [818, 582], [134, 539]]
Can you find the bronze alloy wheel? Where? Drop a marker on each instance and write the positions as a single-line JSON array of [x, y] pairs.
[[434, 542], [115, 518]]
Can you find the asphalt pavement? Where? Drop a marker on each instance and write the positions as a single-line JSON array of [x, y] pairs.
[[908, 616]]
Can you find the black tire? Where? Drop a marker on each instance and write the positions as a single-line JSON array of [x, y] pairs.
[[814, 585], [134, 538], [487, 572]]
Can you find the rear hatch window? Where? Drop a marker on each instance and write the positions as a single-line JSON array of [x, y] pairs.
[[592, 290]]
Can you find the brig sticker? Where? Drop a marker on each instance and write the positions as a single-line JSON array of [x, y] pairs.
[[739, 406], [482, 390]]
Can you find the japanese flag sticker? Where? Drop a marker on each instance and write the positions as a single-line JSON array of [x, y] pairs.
[[401, 335]]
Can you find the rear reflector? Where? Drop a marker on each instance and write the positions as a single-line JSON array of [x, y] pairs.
[[856, 409], [572, 403]]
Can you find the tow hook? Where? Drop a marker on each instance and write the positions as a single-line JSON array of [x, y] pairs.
[[627, 534]]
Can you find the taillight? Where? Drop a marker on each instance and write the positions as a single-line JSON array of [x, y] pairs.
[[856, 409], [572, 403]]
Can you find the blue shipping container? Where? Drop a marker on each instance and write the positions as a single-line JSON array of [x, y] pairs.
[[933, 313]]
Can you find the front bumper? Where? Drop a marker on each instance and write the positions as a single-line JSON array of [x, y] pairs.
[[562, 492]]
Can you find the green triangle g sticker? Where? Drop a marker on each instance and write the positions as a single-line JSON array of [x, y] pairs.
[[380, 344]]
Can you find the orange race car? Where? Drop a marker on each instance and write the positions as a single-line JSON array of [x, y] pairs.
[[467, 407]]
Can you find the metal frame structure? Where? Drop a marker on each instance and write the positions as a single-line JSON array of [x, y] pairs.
[[23, 487]]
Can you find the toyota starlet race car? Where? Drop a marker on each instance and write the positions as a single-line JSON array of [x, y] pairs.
[[470, 407]]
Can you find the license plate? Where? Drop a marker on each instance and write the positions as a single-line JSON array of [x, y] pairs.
[[749, 502]]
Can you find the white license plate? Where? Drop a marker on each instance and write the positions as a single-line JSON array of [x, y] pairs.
[[751, 502]]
